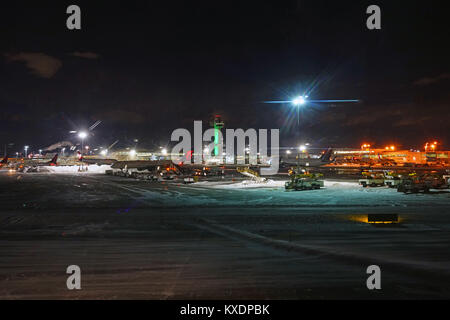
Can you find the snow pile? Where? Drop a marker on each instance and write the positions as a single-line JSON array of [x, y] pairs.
[[74, 169], [251, 184], [340, 184]]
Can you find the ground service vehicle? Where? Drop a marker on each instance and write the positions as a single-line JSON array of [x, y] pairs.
[[413, 184], [372, 179], [305, 181], [392, 179]]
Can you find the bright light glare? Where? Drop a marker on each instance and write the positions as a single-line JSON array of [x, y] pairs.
[[132, 153], [302, 148], [82, 135], [104, 152], [164, 151], [299, 101]]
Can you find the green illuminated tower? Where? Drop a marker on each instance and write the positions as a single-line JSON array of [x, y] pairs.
[[218, 125]]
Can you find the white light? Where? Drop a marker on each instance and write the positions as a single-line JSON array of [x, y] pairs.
[[104, 152], [164, 151], [299, 101], [26, 147], [132, 153], [206, 150], [82, 135], [288, 151], [302, 148]]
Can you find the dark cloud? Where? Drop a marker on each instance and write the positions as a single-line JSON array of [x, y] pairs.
[[431, 80], [373, 115], [41, 64], [85, 55], [412, 120]]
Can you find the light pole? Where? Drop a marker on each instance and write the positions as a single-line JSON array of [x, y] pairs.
[[297, 102], [26, 151], [82, 136]]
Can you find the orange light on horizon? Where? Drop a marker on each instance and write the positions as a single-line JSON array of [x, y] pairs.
[[433, 145]]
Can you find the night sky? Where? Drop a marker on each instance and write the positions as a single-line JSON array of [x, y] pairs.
[[146, 68]]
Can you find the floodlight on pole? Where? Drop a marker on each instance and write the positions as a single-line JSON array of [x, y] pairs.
[[299, 101], [82, 135]]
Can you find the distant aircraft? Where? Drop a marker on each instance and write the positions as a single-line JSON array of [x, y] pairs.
[[34, 166], [325, 158], [53, 162]]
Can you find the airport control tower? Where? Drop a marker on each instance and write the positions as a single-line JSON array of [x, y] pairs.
[[218, 124]]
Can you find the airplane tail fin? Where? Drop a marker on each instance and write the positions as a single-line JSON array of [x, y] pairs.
[[326, 156], [54, 160]]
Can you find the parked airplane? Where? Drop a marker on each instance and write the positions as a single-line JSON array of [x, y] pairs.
[[34, 166], [326, 157]]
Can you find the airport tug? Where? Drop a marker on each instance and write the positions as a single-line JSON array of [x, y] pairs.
[[304, 180]]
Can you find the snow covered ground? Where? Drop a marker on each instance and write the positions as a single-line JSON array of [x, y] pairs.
[[249, 184], [223, 239]]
